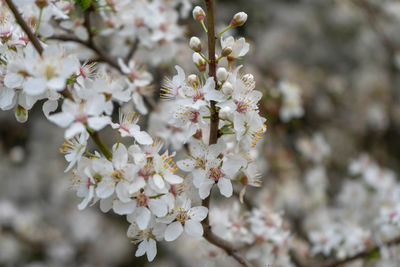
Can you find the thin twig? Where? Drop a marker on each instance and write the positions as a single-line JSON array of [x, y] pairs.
[[31, 36], [363, 254], [228, 247], [132, 50]]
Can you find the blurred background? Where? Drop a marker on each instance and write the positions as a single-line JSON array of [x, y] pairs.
[[329, 72]]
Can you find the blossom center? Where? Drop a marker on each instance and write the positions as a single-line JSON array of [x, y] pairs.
[[215, 174], [142, 200]]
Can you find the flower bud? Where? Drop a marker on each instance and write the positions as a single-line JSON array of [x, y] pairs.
[[21, 114], [239, 19], [198, 14], [41, 3], [226, 51], [222, 74], [193, 79], [195, 44], [227, 88], [199, 62], [225, 113]]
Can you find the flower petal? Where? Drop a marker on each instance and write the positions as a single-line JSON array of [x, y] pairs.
[[173, 231], [225, 187], [194, 228]]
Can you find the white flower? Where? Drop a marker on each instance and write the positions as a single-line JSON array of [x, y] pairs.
[[74, 149], [128, 127], [239, 47], [185, 217], [75, 115], [49, 71], [291, 102], [146, 238]]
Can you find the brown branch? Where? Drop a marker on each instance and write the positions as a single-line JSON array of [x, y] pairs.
[[214, 121], [228, 247], [132, 50], [31, 36], [363, 254]]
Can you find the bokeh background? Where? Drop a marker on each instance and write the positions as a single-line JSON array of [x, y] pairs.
[[343, 58]]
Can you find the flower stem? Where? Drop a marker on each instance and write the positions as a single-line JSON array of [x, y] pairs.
[[204, 26], [224, 30], [39, 21]]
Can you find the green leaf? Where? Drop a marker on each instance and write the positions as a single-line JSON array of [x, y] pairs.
[[83, 4]]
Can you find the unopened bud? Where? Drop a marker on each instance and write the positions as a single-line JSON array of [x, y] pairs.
[[226, 51], [239, 19], [41, 3], [21, 114], [195, 44], [198, 14], [227, 88], [225, 113], [222, 74], [199, 62], [193, 79]]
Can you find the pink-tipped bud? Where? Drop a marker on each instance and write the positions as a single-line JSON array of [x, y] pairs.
[[226, 51], [41, 3], [198, 14], [195, 44], [239, 19], [199, 62]]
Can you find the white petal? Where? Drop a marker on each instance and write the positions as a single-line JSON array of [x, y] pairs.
[[98, 123], [198, 213], [106, 204], [172, 178], [173, 231], [74, 129], [57, 84], [35, 86], [13, 80], [49, 106], [7, 98], [205, 187], [105, 189], [62, 119], [194, 228], [186, 165], [158, 207], [158, 181], [143, 138], [151, 250], [143, 217], [122, 190], [141, 248], [225, 187], [232, 165], [86, 200], [120, 157], [136, 185], [122, 208]]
